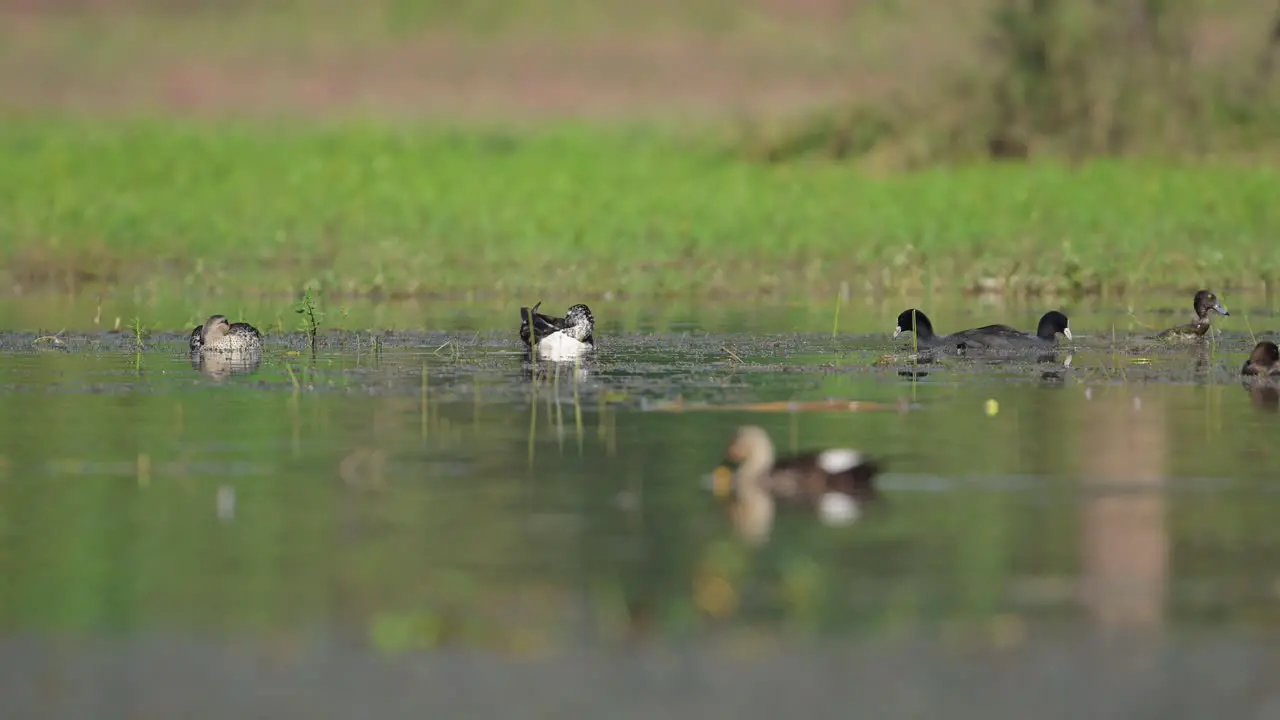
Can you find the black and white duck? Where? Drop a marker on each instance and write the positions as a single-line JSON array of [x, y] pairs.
[[558, 338]]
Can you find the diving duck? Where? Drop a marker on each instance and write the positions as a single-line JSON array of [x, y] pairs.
[[835, 483], [555, 337], [219, 334], [1203, 302], [1264, 361]]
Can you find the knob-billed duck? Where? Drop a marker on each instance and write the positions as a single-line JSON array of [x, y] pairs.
[[1204, 301], [219, 334], [558, 337]]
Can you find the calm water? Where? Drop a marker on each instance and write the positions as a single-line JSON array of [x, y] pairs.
[[432, 525]]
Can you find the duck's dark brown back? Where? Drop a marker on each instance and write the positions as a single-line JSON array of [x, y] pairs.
[[800, 479]]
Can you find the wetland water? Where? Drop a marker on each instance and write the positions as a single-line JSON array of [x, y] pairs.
[[345, 535]]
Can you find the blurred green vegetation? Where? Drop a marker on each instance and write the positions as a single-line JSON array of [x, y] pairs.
[[910, 83], [434, 212], [1071, 81]]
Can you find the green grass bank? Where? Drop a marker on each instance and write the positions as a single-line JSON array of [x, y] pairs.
[[574, 210]]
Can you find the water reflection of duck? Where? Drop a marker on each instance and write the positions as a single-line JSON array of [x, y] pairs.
[[1203, 302], [547, 373], [220, 335], [221, 365], [835, 483], [558, 338]]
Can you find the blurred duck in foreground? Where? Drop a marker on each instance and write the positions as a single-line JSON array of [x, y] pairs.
[[835, 483], [1204, 302], [220, 335], [558, 338]]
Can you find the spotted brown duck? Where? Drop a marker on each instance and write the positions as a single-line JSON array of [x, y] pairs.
[[220, 335]]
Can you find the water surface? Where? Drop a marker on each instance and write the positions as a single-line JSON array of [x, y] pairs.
[[406, 522]]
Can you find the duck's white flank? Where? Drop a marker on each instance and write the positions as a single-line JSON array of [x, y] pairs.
[[560, 346], [837, 460], [837, 508]]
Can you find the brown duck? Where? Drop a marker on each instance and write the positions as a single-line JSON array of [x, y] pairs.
[[1263, 361], [835, 483], [1203, 302]]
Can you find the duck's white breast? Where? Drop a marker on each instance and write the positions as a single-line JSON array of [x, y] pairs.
[[559, 346]]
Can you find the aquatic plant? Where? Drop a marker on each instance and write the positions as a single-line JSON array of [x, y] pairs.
[[309, 308]]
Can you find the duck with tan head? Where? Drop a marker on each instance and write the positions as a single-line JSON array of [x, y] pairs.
[[218, 334], [835, 483]]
